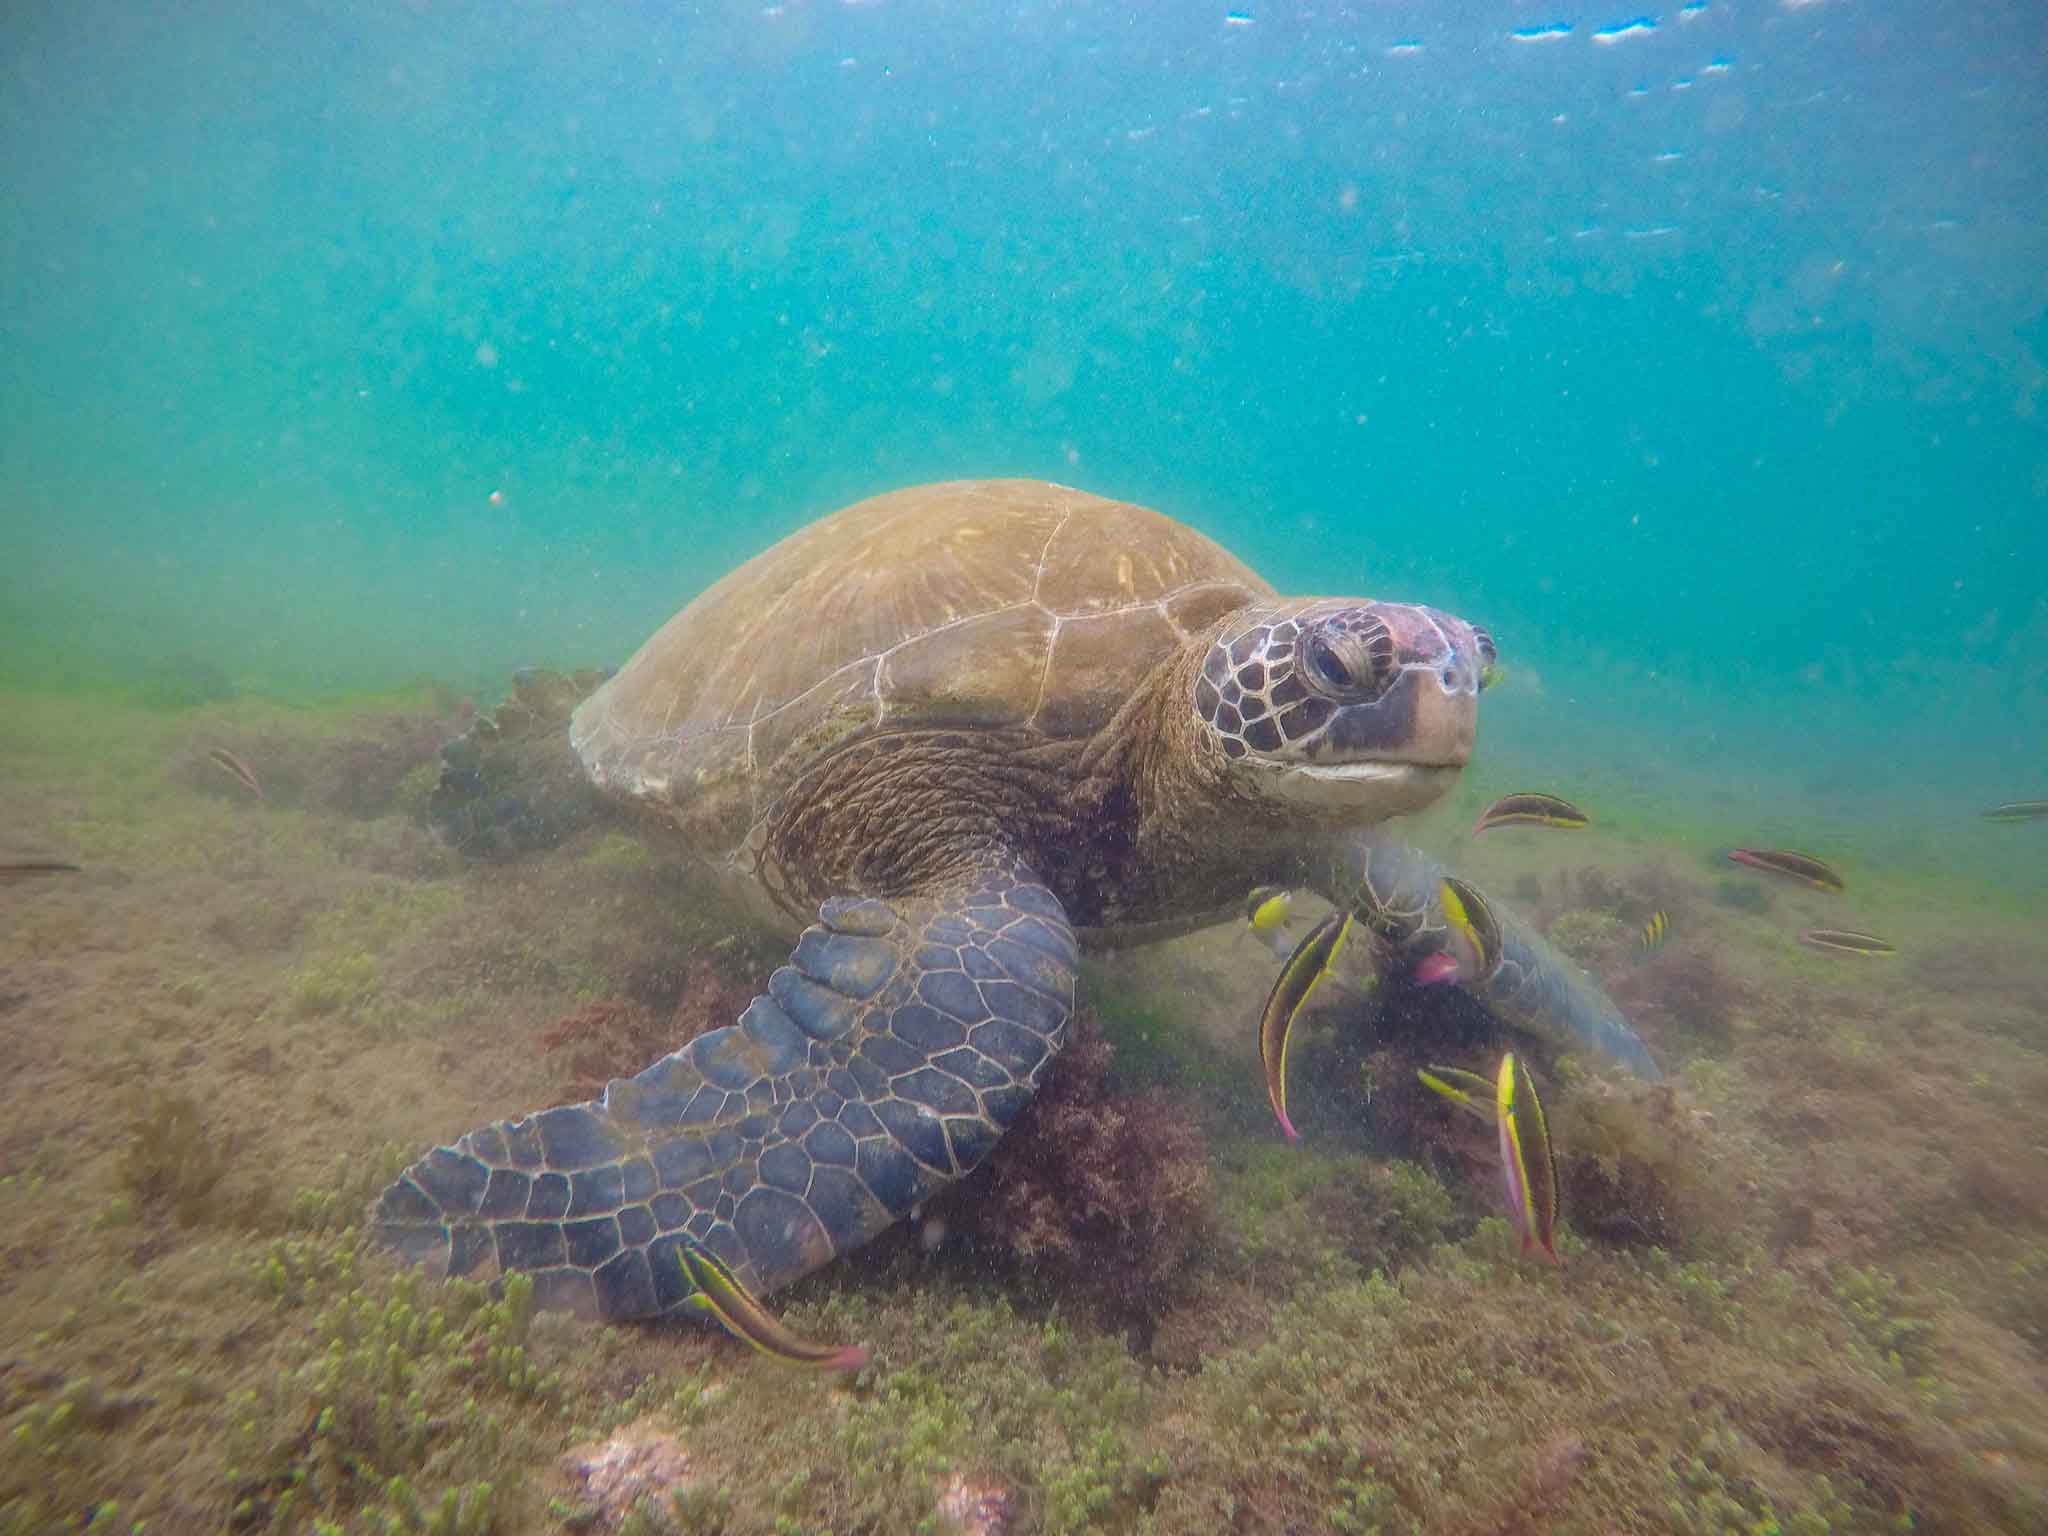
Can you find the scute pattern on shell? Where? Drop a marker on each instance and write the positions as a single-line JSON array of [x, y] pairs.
[[996, 604]]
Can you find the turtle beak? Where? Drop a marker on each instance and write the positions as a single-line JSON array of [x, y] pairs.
[[1355, 707], [1428, 716]]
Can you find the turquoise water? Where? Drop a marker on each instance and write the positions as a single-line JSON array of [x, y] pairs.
[[1702, 360], [1698, 354]]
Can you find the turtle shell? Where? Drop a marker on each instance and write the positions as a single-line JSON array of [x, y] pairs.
[[1008, 605]]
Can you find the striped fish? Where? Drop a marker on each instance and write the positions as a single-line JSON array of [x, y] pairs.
[[34, 869], [1803, 867], [1528, 1166], [1473, 920], [1531, 810], [2018, 810], [237, 770], [1655, 931], [1299, 977], [1528, 1163], [721, 1295], [1848, 942]]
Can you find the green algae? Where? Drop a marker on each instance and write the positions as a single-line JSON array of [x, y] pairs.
[[962, 1386], [1709, 1495], [393, 1383], [1154, 1048], [1589, 935], [48, 1460], [2023, 1296], [617, 851], [1892, 1333], [1456, 1388], [172, 1159], [1315, 1216]]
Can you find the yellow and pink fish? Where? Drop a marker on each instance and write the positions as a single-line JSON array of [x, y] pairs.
[[1528, 1165]]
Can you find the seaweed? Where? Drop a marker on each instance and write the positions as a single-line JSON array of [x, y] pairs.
[[1595, 938], [1685, 997], [2023, 1298], [1044, 1415], [614, 1037], [388, 1380], [1893, 1334], [1845, 1332], [50, 1460], [1101, 1192], [171, 1160], [1636, 1167], [1709, 1495]]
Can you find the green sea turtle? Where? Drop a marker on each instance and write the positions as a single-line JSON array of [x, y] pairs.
[[952, 734]]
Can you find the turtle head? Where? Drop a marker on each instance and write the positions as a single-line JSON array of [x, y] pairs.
[[1361, 708]]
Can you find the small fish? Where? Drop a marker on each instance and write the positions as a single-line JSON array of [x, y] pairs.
[[33, 869], [1793, 866], [2018, 810], [236, 769], [1655, 931], [1528, 1166], [1465, 1090], [1299, 977], [1528, 1163], [720, 1294], [1473, 920], [1848, 943], [1531, 810], [1268, 908]]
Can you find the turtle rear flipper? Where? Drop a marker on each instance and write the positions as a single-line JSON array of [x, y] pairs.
[[883, 1062], [511, 783]]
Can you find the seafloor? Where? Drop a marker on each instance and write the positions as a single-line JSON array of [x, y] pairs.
[[1806, 1283]]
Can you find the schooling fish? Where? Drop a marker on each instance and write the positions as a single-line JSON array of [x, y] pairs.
[[1299, 977], [1847, 942], [1655, 931], [1472, 920], [1793, 866], [1531, 810], [1528, 1163], [237, 770], [34, 869], [720, 1294], [2018, 810]]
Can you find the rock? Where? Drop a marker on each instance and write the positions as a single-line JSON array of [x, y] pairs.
[[977, 1507], [613, 1476]]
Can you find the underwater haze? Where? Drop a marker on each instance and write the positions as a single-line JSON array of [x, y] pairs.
[[354, 357], [1698, 354]]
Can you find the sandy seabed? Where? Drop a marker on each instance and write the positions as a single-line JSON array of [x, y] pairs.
[[1805, 1290]]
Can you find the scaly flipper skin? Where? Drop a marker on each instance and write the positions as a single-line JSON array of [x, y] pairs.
[[886, 1058], [1394, 890]]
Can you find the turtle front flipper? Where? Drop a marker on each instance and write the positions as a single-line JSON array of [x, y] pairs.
[[883, 1062], [1397, 892], [511, 783]]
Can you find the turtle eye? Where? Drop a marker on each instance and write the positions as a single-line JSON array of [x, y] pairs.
[[1328, 665], [1350, 660]]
